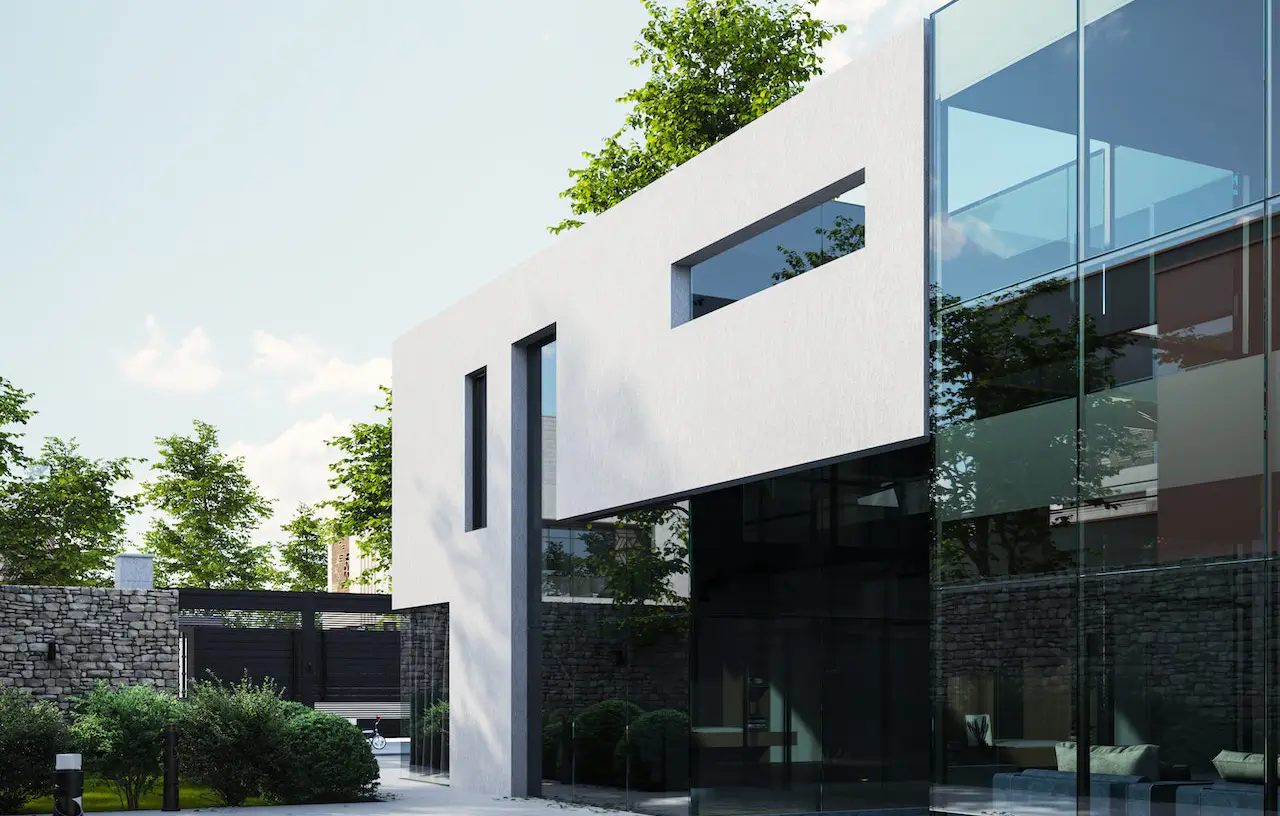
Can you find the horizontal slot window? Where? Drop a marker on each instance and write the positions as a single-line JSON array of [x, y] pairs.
[[813, 238]]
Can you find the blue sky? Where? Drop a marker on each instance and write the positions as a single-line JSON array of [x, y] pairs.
[[228, 210]]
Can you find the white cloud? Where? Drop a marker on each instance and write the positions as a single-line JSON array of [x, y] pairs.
[[293, 468], [315, 371], [869, 22], [187, 367]]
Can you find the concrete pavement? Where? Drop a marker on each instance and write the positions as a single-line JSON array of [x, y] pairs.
[[409, 797]]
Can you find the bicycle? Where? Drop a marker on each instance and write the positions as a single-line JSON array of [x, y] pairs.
[[375, 736]]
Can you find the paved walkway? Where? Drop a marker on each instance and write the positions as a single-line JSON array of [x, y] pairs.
[[408, 796]]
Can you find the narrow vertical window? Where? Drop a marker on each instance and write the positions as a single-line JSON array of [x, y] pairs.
[[477, 454]]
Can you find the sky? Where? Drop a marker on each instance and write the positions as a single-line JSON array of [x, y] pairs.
[[227, 210]]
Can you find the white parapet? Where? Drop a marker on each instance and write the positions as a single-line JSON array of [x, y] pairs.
[[135, 571]]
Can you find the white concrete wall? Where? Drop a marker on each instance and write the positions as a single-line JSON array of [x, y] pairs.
[[821, 366]]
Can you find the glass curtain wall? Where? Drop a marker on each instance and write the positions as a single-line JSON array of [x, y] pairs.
[[1101, 267], [614, 631], [424, 690], [810, 648]]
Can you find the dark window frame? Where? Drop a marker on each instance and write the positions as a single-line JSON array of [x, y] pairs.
[[477, 450]]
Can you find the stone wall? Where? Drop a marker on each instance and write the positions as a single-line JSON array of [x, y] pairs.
[[585, 659], [123, 636], [1172, 657], [424, 655]]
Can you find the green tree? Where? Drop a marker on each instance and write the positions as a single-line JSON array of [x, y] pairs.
[[362, 478], [715, 65], [305, 553], [844, 236], [62, 523], [638, 556], [997, 357], [209, 509], [13, 411], [121, 733]]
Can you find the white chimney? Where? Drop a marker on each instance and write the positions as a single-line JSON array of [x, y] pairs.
[[135, 571]]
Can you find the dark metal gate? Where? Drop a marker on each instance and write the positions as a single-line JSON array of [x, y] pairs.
[[334, 651]]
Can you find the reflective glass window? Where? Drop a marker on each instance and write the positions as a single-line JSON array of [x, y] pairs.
[[1004, 406], [1174, 675], [810, 650], [1175, 112], [1005, 657], [1004, 143], [1172, 418], [815, 237]]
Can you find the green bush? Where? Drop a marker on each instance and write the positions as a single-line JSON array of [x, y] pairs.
[[322, 758], [657, 746], [231, 737], [596, 732], [31, 733], [555, 760], [121, 734], [435, 720]]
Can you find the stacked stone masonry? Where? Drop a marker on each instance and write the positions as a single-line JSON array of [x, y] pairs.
[[122, 636], [585, 659], [1173, 657]]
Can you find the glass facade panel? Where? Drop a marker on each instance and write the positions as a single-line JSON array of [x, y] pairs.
[[1172, 417], [1004, 687], [1175, 106], [1005, 143], [810, 640], [806, 241], [1004, 411], [424, 690], [1103, 588], [1175, 676], [615, 663]]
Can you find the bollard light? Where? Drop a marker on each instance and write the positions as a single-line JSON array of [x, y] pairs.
[[171, 802], [68, 785]]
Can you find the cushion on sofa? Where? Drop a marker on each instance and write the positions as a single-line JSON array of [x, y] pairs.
[[1236, 766], [1121, 760]]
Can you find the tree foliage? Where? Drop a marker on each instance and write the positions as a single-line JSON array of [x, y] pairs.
[[31, 734], [305, 553], [121, 733], [1002, 356], [638, 555], [64, 520], [208, 510], [13, 412], [842, 237], [715, 65], [362, 478], [232, 737]]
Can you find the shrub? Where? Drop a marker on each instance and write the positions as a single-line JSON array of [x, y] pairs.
[[555, 734], [231, 737], [31, 733], [657, 746], [596, 732], [121, 734], [323, 758], [435, 720]]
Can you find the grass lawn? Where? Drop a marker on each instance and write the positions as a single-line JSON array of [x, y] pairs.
[[99, 798]]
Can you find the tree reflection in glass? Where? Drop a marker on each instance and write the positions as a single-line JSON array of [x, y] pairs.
[[1011, 466]]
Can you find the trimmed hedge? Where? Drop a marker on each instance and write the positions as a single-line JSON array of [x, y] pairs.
[[657, 747], [31, 733], [323, 758], [596, 733]]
